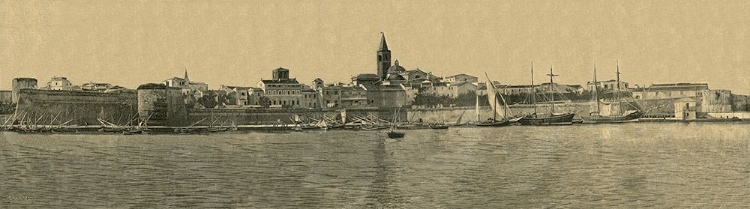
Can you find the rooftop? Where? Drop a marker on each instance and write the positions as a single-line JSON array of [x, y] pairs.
[[284, 81]]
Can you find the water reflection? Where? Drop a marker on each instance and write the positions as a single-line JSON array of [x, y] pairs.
[[628, 165]]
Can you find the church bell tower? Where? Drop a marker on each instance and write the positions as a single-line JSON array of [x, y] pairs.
[[384, 58]]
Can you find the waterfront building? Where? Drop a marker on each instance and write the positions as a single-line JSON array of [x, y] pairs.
[[159, 104], [517, 89], [669, 91], [461, 78], [714, 101], [91, 86], [21, 83], [59, 84], [281, 90], [255, 97], [560, 88], [6, 97], [685, 109], [386, 95], [191, 89], [237, 95], [609, 85], [452, 90], [418, 76], [344, 96], [310, 98], [186, 83], [740, 103]]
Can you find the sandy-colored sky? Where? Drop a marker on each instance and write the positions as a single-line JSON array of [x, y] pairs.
[[239, 42]]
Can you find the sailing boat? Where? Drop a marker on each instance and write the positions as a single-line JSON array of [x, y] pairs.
[[392, 133], [565, 118], [492, 97], [613, 110], [458, 121]]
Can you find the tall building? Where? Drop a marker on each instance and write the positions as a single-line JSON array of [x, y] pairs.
[[282, 91], [59, 83], [384, 58]]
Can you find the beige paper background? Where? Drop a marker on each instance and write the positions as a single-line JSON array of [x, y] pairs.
[[239, 42]]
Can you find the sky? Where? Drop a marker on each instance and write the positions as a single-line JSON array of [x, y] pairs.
[[129, 43]]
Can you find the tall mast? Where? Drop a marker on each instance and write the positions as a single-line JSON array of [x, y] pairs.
[[533, 89], [619, 103], [477, 109], [596, 90], [552, 89]]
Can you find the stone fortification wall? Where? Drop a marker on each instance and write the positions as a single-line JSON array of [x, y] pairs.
[[740, 103], [268, 116], [450, 115], [161, 105], [44, 107], [716, 101]]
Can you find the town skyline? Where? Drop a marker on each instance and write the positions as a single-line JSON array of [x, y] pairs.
[[234, 43]]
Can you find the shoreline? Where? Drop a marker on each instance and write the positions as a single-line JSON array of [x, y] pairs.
[[285, 128]]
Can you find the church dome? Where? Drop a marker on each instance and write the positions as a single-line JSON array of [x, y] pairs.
[[396, 68], [395, 77]]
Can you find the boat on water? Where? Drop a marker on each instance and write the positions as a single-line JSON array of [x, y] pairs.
[[618, 109], [551, 118], [438, 126], [492, 96], [392, 133], [494, 123]]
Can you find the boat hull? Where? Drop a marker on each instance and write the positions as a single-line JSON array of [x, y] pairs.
[[394, 135], [493, 123], [438, 126], [562, 119], [632, 117]]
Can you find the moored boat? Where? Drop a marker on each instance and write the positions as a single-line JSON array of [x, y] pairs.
[[613, 111], [552, 118], [438, 126], [492, 96], [393, 133]]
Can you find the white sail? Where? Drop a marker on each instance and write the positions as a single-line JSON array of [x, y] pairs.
[[458, 121], [492, 97]]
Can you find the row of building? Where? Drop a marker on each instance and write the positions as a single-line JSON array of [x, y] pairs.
[[390, 86]]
